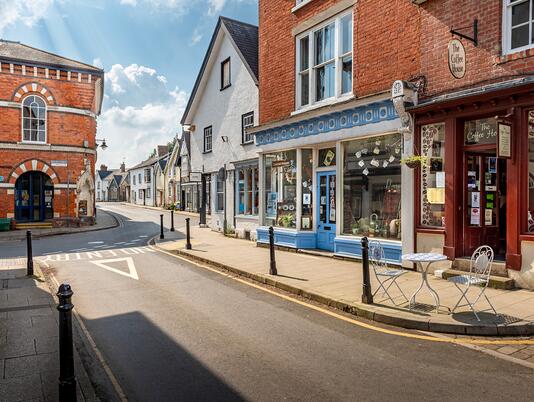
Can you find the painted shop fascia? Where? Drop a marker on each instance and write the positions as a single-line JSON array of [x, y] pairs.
[[328, 178]]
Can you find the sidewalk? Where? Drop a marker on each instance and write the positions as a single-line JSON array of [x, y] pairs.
[[29, 357], [177, 212], [338, 283], [104, 220]]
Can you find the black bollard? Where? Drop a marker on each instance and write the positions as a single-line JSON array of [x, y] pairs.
[[272, 269], [187, 234], [161, 235], [29, 262], [172, 220], [67, 379], [367, 295]]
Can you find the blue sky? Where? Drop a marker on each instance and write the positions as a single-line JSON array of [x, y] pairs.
[[151, 51]]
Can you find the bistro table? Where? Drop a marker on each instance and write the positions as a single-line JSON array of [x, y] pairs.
[[420, 259]]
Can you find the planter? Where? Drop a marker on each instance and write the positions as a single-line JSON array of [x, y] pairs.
[[412, 164]]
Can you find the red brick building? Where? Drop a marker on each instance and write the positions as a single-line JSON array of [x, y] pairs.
[[48, 110], [475, 120]]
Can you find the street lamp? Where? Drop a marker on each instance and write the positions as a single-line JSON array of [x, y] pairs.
[[103, 144]]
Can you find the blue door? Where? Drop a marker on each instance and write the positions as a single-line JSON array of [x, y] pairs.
[[326, 219]]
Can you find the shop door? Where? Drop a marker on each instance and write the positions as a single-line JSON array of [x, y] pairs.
[[326, 220], [30, 197], [484, 203]]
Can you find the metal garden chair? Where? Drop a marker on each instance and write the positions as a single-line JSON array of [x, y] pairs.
[[479, 275], [385, 275]]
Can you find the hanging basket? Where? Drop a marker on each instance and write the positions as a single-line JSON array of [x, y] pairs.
[[412, 164]]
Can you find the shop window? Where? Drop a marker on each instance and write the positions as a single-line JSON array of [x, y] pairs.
[[518, 31], [281, 188], [530, 226], [324, 61], [247, 191], [480, 132], [327, 157], [33, 119], [372, 187], [433, 175], [220, 194], [307, 189]]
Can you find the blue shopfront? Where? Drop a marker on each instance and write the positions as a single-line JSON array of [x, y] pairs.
[[328, 180]]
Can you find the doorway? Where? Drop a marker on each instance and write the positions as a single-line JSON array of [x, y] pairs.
[[326, 219], [484, 202], [34, 195]]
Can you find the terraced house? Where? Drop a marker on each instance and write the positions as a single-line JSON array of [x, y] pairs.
[[48, 110]]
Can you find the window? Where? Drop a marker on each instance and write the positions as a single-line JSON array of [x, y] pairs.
[[372, 187], [208, 139], [98, 186], [518, 32], [281, 188], [148, 193], [139, 176], [133, 177], [225, 74], [220, 194], [433, 175], [33, 119], [140, 194], [247, 191], [307, 189], [247, 120], [147, 176], [324, 62]]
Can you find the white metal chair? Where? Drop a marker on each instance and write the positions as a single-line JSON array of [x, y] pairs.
[[385, 275], [479, 275]]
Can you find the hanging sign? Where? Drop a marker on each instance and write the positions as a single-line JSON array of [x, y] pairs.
[[457, 59], [195, 176], [504, 141]]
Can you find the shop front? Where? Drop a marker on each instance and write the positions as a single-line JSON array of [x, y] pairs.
[[475, 185], [330, 180]]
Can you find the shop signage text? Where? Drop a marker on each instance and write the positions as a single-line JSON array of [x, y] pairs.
[[504, 149], [277, 164], [483, 131], [457, 59]]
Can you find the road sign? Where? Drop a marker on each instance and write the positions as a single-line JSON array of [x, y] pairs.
[[61, 163], [129, 261]]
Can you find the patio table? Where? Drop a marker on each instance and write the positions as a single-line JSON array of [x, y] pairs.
[[424, 260]]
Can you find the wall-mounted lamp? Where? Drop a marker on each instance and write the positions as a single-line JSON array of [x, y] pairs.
[[102, 144], [190, 128], [224, 138]]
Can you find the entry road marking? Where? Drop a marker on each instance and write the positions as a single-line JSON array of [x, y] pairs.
[[371, 327], [128, 260], [90, 255]]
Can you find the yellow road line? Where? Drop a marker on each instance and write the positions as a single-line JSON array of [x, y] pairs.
[[351, 320]]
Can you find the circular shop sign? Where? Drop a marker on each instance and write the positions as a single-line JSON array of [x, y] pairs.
[[457, 59]]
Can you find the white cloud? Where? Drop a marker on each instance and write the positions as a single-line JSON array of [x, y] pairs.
[[129, 2], [98, 62], [215, 6], [140, 112], [196, 37], [22, 11]]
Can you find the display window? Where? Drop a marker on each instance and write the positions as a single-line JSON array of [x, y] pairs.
[[281, 189], [372, 187], [307, 189]]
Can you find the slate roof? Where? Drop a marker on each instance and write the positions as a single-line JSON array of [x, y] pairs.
[[162, 163], [245, 37], [104, 173], [18, 52], [117, 179]]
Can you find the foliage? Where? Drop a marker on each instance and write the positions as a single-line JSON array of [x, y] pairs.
[[414, 161]]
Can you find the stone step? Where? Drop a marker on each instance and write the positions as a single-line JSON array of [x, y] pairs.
[[496, 282], [36, 225], [498, 268]]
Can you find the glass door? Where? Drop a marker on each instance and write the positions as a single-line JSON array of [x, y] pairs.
[[326, 220]]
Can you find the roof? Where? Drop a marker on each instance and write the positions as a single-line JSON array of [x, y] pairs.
[[104, 173], [244, 37], [163, 163], [16, 51], [147, 162], [117, 178]]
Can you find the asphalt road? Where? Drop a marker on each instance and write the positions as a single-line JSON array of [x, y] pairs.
[[173, 331]]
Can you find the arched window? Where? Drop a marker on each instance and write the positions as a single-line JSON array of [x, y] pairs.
[[34, 119]]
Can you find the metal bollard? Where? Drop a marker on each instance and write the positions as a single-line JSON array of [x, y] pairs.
[[29, 260], [172, 220], [161, 235], [67, 379], [272, 269], [367, 294], [187, 234]]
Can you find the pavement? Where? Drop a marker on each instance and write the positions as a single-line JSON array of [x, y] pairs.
[[338, 283], [29, 357], [170, 329], [103, 221]]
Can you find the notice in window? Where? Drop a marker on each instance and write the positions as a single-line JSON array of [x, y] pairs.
[[488, 217], [440, 179], [475, 199], [475, 216]]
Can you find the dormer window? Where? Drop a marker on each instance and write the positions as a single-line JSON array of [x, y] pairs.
[[33, 119]]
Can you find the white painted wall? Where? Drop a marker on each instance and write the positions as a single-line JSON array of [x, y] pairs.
[[149, 201]]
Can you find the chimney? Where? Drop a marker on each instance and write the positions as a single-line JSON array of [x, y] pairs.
[[103, 168], [123, 167], [162, 150]]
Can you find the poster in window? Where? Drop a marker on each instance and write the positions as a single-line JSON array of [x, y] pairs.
[[504, 142], [475, 216]]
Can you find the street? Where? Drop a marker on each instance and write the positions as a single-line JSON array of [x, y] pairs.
[[170, 330]]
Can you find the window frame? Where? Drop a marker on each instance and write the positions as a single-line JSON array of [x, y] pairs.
[[205, 148], [223, 63], [218, 193], [45, 130], [507, 27], [244, 127], [252, 192], [311, 70]]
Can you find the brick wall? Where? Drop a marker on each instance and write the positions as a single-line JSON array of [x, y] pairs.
[[485, 63], [385, 32]]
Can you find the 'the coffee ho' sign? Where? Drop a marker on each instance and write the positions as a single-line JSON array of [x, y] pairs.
[[457, 59]]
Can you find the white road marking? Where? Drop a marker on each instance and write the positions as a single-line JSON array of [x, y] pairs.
[[129, 261], [119, 243], [95, 242], [143, 236], [95, 254]]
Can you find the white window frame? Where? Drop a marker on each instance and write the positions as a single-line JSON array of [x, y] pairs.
[[208, 133], [219, 192], [247, 138], [148, 175], [507, 27], [22, 121], [247, 192], [299, 4], [338, 60]]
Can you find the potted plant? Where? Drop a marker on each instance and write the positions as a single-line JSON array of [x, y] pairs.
[[286, 220], [415, 160]]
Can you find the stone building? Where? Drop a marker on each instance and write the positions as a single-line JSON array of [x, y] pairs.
[[48, 110]]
